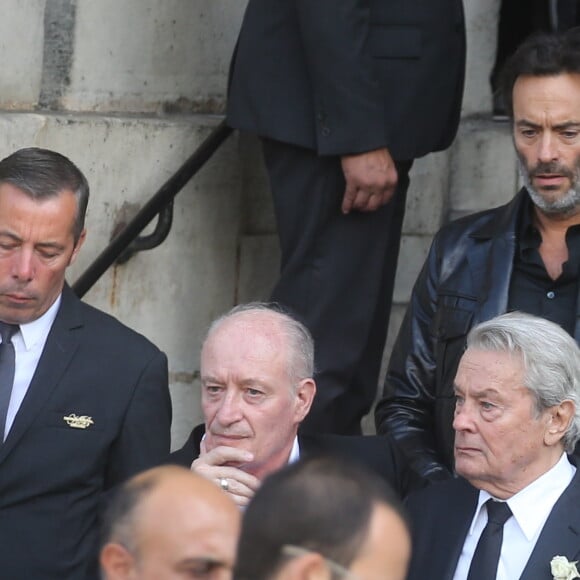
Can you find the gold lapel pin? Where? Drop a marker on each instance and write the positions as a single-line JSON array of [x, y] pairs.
[[77, 422]]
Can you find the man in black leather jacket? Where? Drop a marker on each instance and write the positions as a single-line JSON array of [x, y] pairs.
[[521, 256]]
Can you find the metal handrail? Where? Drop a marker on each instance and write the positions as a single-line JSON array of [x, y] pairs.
[[122, 241]]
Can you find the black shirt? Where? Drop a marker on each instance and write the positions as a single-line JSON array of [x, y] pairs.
[[531, 288]]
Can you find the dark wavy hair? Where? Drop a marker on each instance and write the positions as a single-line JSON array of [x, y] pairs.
[[541, 55]]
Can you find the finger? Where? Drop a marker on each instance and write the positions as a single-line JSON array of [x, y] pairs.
[[361, 200], [223, 454], [374, 202], [350, 193], [240, 500], [387, 196], [237, 478], [237, 488], [227, 477]]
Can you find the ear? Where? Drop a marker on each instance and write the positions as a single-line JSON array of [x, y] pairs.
[[305, 392], [116, 561], [306, 567], [560, 417], [78, 246]]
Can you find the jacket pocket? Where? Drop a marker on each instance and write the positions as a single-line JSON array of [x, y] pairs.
[[451, 322], [450, 326]]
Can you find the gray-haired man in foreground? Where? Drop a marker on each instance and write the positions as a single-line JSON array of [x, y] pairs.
[[517, 415]]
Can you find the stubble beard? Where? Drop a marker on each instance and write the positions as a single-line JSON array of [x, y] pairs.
[[565, 205]]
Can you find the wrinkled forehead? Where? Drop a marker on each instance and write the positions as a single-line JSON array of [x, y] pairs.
[[482, 368], [252, 340]]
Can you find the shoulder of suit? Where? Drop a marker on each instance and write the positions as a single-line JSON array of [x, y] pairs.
[[105, 327], [437, 494]]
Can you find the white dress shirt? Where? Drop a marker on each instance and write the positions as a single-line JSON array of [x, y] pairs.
[[295, 453], [530, 508], [28, 344]]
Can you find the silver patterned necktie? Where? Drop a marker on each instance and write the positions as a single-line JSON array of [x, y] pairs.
[[7, 368]]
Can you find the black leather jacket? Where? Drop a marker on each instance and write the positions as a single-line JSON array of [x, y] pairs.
[[464, 281]]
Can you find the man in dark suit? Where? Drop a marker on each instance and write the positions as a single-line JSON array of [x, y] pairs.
[[345, 94], [257, 387], [514, 507], [84, 401], [524, 256]]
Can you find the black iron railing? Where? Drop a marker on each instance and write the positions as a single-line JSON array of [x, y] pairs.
[[127, 242]]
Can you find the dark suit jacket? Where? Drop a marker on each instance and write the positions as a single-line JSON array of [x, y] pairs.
[[376, 453], [464, 281], [348, 76], [441, 515], [53, 476]]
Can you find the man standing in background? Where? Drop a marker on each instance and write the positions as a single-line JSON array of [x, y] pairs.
[[344, 95]]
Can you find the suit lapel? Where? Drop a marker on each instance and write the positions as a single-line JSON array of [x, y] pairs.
[[560, 535], [59, 349], [457, 522], [440, 516], [308, 445]]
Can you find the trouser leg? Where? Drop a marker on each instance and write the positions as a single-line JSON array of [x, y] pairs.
[[337, 275]]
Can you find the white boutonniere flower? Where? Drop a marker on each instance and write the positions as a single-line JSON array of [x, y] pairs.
[[563, 569]]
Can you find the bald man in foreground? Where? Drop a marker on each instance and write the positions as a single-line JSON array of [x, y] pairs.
[[169, 523]]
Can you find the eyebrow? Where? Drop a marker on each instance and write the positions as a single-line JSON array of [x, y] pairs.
[[245, 383], [480, 394], [558, 126], [206, 562], [52, 245]]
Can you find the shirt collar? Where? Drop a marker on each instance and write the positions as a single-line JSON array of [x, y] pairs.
[[529, 236], [36, 332], [295, 453], [542, 493]]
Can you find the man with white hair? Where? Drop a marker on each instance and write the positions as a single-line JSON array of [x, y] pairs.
[[514, 508], [257, 387], [522, 256]]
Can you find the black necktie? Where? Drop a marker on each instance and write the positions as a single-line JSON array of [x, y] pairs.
[[7, 368], [486, 555]]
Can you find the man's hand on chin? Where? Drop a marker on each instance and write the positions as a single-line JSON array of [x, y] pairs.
[[224, 466]]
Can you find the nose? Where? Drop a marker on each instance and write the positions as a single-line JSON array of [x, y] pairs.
[[547, 148], [23, 265], [463, 417], [229, 410]]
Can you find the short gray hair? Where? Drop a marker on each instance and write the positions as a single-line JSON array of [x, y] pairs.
[[550, 358], [300, 341]]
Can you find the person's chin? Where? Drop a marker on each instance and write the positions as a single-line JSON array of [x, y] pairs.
[[468, 459]]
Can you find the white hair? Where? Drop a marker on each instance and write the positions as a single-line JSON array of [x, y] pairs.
[[550, 357]]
